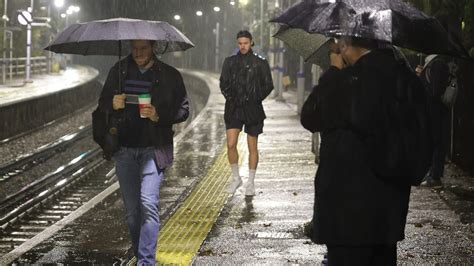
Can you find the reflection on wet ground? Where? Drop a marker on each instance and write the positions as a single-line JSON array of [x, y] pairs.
[[248, 213]]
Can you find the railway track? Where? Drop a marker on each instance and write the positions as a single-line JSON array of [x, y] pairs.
[[28, 212], [29, 160]]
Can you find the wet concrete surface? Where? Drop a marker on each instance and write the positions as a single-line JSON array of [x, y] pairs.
[[267, 228]]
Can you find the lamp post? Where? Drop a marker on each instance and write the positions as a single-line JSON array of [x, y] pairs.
[[5, 20], [25, 19], [216, 56], [58, 4], [261, 26], [69, 12], [179, 56]]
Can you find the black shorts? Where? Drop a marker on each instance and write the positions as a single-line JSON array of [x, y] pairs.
[[252, 130]]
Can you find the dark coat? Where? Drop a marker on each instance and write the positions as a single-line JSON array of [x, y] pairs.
[[245, 82], [435, 84], [352, 205], [436, 77], [168, 95]]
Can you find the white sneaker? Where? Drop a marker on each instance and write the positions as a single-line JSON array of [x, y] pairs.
[[249, 188], [234, 185]]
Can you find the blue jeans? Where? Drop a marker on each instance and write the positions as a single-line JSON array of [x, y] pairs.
[[140, 179]]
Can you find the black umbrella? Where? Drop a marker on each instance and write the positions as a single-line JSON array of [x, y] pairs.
[[392, 21], [104, 37], [313, 47]]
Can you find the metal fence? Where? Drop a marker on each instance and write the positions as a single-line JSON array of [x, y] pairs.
[[16, 67]]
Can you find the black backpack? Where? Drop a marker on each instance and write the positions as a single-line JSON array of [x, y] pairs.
[[405, 142]]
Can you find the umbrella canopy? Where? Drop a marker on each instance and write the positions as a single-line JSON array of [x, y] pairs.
[[392, 21], [314, 48], [104, 37]]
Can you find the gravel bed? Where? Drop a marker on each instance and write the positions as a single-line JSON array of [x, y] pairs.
[[30, 142]]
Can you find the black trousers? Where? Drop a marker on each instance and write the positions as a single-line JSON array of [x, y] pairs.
[[441, 133], [379, 255]]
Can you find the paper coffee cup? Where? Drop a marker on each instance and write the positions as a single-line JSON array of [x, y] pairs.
[[143, 100]]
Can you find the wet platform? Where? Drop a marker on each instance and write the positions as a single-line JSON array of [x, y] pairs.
[[28, 105], [44, 85], [209, 227]]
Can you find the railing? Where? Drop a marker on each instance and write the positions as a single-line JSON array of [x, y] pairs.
[[16, 67]]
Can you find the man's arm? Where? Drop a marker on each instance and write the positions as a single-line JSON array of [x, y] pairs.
[[266, 80], [179, 111], [311, 112], [225, 80]]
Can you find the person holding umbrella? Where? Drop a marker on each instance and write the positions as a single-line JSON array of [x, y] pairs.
[[140, 101], [245, 82], [145, 137], [372, 115], [358, 215]]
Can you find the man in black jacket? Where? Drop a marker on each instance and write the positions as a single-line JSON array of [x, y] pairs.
[[245, 82], [435, 76], [145, 137], [358, 213]]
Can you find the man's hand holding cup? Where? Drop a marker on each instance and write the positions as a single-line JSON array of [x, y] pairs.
[[147, 110]]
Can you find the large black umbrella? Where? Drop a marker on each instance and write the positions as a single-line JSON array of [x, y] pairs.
[[392, 21], [314, 48], [106, 37]]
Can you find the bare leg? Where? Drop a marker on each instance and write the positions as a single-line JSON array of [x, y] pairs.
[[253, 162], [233, 156], [253, 151], [232, 138]]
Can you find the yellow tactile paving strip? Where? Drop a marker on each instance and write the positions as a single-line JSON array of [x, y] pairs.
[[182, 235]]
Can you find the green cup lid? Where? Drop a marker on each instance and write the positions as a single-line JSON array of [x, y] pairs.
[[145, 95]]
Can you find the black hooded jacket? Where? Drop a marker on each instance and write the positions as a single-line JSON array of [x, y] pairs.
[[245, 82]]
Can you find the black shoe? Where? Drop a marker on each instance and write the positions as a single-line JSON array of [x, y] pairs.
[[325, 260], [433, 183], [308, 229]]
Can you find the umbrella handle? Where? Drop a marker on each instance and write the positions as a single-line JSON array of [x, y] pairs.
[[119, 90], [166, 48]]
